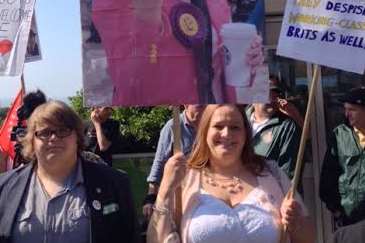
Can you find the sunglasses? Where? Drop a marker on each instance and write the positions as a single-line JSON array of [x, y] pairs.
[[47, 133]]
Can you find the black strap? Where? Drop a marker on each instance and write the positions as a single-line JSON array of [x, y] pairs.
[[203, 59], [149, 199]]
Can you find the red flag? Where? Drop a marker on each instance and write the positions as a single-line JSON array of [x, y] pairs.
[[11, 120]]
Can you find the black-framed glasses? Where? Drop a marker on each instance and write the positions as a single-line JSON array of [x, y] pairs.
[[47, 133]]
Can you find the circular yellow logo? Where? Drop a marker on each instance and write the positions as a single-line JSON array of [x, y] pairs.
[[188, 24]]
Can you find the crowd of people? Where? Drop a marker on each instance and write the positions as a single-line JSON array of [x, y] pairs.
[[229, 183], [232, 175]]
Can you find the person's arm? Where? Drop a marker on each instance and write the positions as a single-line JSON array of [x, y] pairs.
[[289, 146], [102, 140], [162, 224], [163, 153], [150, 200], [299, 227], [255, 57], [328, 185], [294, 214], [290, 110]]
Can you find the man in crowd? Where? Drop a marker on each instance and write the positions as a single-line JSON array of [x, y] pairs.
[[102, 134], [354, 233], [276, 135], [342, 182], [189, 121]]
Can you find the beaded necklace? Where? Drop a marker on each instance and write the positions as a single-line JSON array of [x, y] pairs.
[[232, 185]]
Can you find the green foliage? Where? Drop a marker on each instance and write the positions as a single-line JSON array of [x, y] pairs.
[[138, 170], [140, 126], [77, 102]]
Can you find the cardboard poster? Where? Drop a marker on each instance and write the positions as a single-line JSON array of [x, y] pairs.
[[33, 52], [15, 21], [97, 84], [147, 53], [329, 33]]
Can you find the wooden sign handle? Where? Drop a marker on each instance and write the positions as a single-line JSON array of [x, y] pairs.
[[177, 148], [305, 131], [303, 140]]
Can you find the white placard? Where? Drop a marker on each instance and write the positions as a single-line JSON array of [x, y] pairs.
[[15, 21], [329, 33]]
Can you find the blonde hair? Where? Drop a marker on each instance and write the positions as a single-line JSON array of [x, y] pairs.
[[200, 154], [55, 113]]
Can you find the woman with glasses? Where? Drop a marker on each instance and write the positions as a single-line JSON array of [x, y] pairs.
[[60, 196]]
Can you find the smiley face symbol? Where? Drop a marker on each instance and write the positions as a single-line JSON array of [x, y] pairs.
[[188, 24]]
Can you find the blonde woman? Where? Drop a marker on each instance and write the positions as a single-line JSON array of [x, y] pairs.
[[229, 194]]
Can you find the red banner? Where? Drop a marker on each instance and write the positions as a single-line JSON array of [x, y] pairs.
[[11, 120]]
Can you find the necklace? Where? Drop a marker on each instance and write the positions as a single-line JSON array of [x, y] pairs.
[[231, 185]]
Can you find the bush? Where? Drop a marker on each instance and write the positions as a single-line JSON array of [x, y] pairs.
[[140, 126]]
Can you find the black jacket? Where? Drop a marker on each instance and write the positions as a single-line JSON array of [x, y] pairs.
[[102, 183]]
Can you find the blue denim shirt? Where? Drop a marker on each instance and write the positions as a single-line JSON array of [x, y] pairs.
[[165, 147]]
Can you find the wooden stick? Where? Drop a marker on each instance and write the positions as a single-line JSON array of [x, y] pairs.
[[303, 140], [22, 83], [177, 148], [176, 129]]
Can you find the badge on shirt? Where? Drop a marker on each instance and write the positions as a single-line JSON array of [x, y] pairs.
[[96, 205], [110, 208], [188, 24]]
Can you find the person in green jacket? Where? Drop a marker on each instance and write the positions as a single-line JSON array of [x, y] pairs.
[[276, 135], [342, 182]]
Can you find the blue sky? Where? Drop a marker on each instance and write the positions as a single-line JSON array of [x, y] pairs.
[[59, 73]]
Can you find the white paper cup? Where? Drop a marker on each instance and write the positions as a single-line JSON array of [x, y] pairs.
[[237, 39]]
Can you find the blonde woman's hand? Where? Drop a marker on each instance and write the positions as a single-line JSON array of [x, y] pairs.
[[173, 175], [291, 214], [147, 210]]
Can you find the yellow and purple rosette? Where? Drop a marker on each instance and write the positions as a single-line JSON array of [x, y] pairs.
[[188, 24]]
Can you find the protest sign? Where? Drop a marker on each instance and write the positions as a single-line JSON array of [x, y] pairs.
[[15, 21], [97, 84], [33, 52], [329, 33], [155, 52], [11, 120]]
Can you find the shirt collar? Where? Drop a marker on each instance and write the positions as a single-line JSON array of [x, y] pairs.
[[185, 120], [75, 178], [253, 119]]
